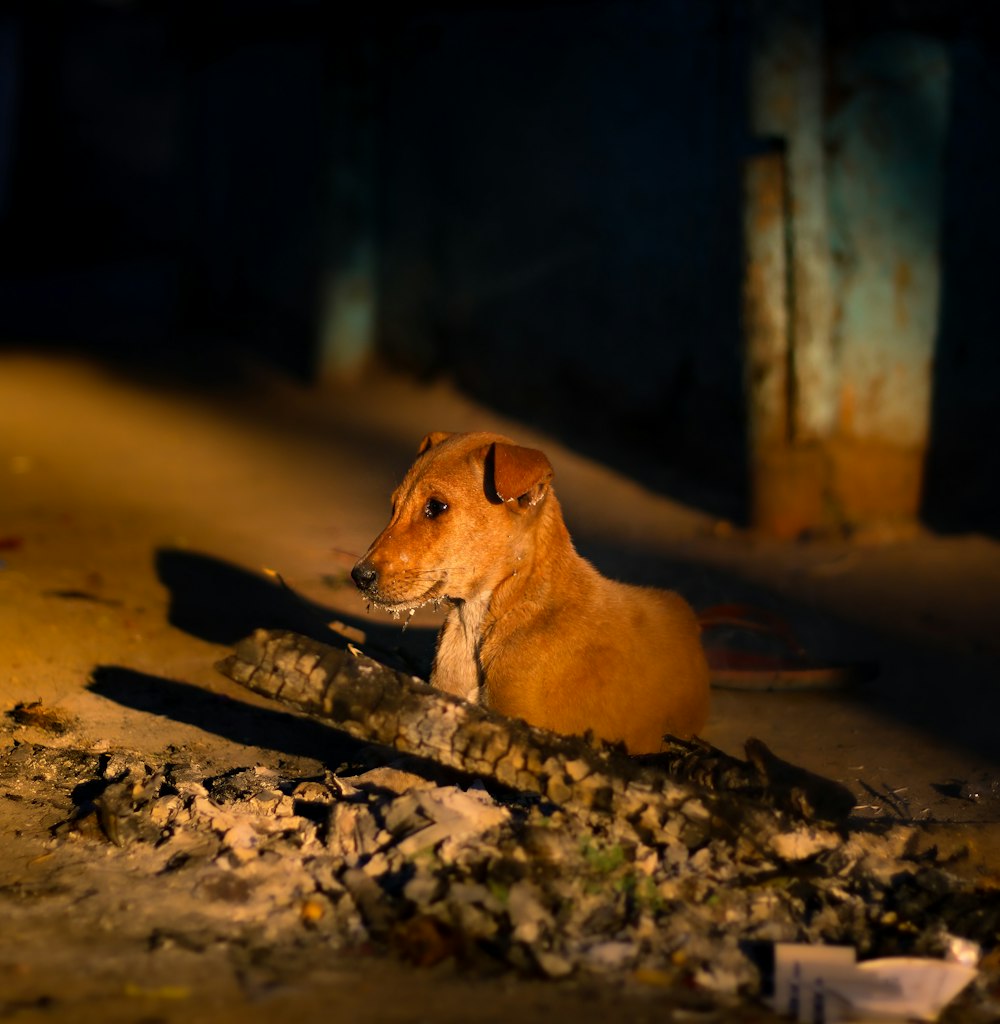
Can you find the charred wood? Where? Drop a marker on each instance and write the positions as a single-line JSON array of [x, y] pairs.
[[687, 794]]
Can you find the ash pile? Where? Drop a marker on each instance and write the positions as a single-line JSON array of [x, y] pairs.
[[463, 836], [391, 859]]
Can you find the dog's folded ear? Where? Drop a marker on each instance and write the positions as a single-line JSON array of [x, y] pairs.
[[520, 474], [435, 437]]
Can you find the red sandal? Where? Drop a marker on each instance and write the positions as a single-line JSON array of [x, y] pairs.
[[748, 668]]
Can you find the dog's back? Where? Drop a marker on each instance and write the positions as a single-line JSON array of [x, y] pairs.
[[623, 662]]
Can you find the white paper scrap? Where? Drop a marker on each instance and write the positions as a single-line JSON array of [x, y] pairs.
[[817, 984]]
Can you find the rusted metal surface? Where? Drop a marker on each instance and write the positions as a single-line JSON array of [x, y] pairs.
[[877, 484], [790, 373], [790, 491], [786, 482], [765, 300], [839, 347], [887, 139], [786, 91]]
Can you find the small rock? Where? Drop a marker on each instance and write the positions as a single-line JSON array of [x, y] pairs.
[[610, 956], [554, 965], [528, 915]]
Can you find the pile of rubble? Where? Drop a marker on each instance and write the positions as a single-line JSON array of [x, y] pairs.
[[391, 859], [576, 862]]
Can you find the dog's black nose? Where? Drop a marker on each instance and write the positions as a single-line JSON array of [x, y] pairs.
[[365, 575]]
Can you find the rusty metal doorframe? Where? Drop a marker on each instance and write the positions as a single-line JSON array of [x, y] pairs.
[[841, 286]]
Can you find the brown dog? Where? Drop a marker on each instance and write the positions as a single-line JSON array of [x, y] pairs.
[[534, 631]]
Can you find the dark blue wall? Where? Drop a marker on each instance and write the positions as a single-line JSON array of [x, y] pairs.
[[557, 197], [561, 217]]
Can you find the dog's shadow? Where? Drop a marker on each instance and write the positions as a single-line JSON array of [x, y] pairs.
[[222, 603], [233, 720]]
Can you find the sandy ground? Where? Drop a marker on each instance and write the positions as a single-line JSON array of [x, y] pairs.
[[138, 516]]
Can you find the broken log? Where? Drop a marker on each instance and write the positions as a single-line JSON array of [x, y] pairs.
[[763, 777], [376, 704]]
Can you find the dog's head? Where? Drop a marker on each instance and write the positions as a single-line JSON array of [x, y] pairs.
[[459, 521]]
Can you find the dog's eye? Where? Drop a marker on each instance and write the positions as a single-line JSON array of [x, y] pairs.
[[435, 507]]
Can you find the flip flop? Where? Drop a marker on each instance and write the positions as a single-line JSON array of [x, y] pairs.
[[743, 668]]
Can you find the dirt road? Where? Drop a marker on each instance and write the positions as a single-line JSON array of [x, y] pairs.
[[138, 521]]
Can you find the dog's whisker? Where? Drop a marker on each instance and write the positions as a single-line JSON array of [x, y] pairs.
[[441, 570], [397, 606]]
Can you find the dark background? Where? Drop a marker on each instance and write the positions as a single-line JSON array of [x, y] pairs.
[[552, 192]]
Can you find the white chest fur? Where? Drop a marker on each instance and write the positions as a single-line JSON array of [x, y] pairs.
[[457, 667]]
